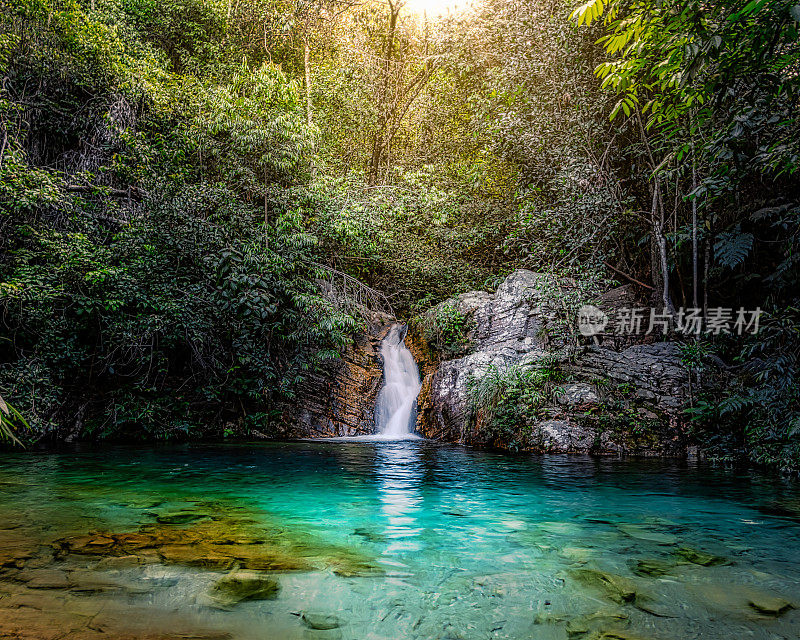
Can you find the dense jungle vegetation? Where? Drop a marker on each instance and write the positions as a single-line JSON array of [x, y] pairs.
[[177, 175]]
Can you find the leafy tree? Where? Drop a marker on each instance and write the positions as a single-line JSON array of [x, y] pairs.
[[142, 286], [713, 90]]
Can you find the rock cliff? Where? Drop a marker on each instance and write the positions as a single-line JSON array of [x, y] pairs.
[[340, 401], [613, 398], [612, 395]]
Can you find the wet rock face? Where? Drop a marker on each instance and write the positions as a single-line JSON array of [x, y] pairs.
[[509, 328], [561, 436], [428, 361], [577, 393], [654, 371], [505, 330], [341, 400]]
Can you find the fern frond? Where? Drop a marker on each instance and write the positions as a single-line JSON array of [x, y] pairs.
[[733, 247]]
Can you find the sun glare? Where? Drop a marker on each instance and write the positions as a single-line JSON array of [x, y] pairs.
[[436, 8]]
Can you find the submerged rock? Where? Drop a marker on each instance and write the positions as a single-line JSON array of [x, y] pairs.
[[369, 535], [617, 588], [97, 544], [659, 609], [320, 621], [195, 555], [218, 544], [647, 534], [579, 555], [115, 563], [743, 600], [239, 586], [15, 549], [549, 617], [651, 567], [141, 504], [182, 517], [619, 635], [87, 581], [45, 579], [702, 558], [594, 622], [769, 605]]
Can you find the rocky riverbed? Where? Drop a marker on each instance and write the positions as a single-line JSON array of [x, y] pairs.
[[209, 557]]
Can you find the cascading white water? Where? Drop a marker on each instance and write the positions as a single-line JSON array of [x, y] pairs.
[[397, 400]]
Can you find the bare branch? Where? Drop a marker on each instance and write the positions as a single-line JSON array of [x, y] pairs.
[[347, 292]]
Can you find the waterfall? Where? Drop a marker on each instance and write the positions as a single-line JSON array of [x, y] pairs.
[[395, 408]]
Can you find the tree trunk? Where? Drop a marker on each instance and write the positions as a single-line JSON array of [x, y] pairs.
[[384, 104], [659, 261], [658, 242], [655, 253], [706, 263], [694, 232], [307, 68], [662, 249]]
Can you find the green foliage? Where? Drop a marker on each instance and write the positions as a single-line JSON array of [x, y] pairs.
[[186, 32], [505, 402], [567, 229], [23, 188], [623, 414], [694, 355], [414, 239], [732, 247], [157, 273], [717, 86], [9, 418], [445, 328], [165, 193], [561, 299], [251, 130], [712, 90], [521, 105], [758, 401]]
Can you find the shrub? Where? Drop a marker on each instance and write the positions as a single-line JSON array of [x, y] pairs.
[[9, 419], [505, 401], [753, 414], [445, 328]]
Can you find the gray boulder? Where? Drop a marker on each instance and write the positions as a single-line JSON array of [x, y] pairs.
[[578, 393], [510, 328]]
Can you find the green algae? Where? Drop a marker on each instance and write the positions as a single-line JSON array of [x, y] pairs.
[[222, 541], [615, 587], [702, 558]]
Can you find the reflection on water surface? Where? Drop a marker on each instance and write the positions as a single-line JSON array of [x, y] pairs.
[[390, 540]]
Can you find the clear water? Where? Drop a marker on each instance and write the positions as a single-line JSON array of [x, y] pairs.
[[467, 544]]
